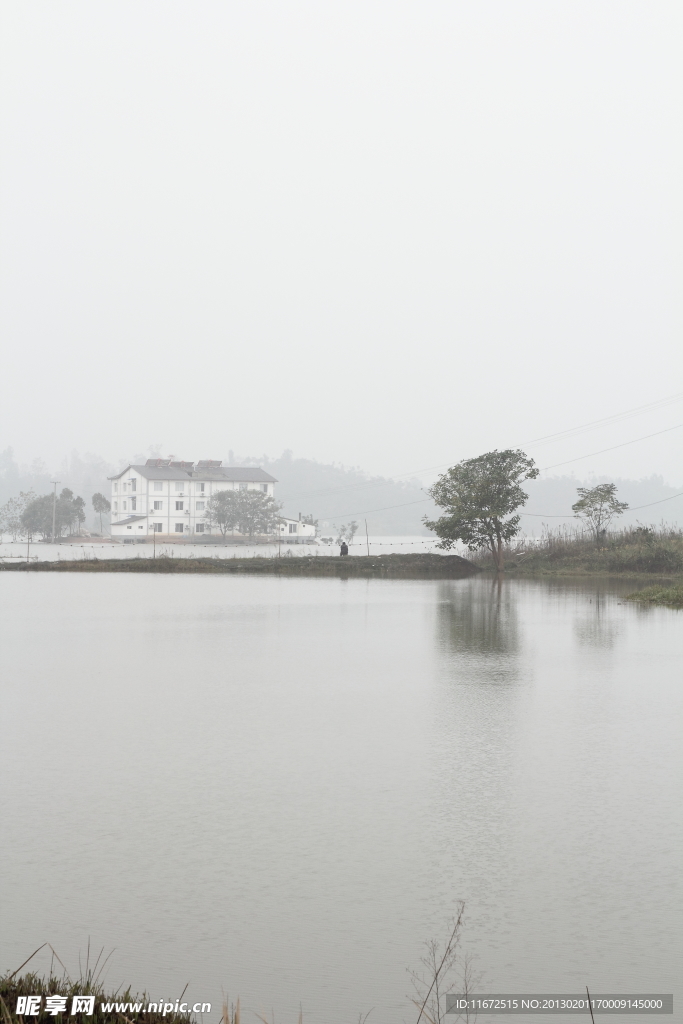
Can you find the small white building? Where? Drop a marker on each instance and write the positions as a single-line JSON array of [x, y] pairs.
[[295, 531], [169, 498]]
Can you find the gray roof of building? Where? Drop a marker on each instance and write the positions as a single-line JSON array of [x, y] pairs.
[[130, 519], [152, 473], [240, 474]]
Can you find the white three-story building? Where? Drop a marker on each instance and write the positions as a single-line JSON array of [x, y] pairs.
[[169, 498]]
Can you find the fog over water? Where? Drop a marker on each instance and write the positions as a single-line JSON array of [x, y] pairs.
[[282, 787]]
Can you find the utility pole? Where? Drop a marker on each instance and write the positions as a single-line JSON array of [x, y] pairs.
[[54, 508], [366, 537]]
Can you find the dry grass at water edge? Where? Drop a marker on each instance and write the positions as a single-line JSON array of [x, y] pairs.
[[634, 551], [30, 984]]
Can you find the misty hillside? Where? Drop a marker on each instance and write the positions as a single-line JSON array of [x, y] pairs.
[[554, 496], [334, 494]]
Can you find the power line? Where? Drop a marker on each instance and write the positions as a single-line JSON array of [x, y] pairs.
[[634, 508], [367, 511], [539, 515], [422, 501], [573, 431], [545, 439], [623, 445], [637, 411]]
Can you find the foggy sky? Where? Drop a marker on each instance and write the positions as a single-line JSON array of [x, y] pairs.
[[388, 234]]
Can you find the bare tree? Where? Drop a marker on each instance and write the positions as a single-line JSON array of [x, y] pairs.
[[347, 532], [443, 967]]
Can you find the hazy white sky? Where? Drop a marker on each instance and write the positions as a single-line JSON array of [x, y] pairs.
[[389, 234]]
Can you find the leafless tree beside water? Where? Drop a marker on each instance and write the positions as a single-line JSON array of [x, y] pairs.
[[445, 969]]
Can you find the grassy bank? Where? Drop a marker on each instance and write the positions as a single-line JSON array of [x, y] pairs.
[[14, 987], [417, 566], [630, 552], [671, 597]]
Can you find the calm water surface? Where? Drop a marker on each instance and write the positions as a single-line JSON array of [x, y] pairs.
[[280, 788]]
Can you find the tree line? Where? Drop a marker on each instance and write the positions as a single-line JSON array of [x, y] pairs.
[[480, 498], [48, 516]]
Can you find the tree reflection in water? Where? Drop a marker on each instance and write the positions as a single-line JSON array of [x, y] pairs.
[[597, 626], [479, 619]]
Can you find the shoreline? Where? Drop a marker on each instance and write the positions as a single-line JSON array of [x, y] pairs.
[[576, 573], [394, 566]]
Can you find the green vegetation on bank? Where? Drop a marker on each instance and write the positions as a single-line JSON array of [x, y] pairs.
[[414, 566], [671, 597], [631, 552], [13, 987], [480, 498]]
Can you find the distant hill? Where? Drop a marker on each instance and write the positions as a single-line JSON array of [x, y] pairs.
[[554, 497], [334, 495]]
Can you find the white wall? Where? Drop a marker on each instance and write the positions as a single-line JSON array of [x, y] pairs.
[[132, 487]]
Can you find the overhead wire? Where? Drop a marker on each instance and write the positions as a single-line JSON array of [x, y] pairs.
[[623, 445], [560, 435], [422, 501]]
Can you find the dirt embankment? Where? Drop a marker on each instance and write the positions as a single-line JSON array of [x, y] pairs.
[[420, 566]]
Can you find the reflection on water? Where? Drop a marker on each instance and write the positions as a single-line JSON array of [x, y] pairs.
[[281, 787], [596, 625], [480, 623]]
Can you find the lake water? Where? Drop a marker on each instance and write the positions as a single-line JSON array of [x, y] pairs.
[[279, 788]]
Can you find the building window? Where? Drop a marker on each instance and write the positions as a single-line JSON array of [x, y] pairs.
[[292, 527], [140, 527], [129, 527], [133, 503], [199, 528], [200, 506], [264, 488], [179, 506], [179, 486], [125, 505], [156, 527], [244, 487], [179, 527], [200, 488], [116, 488], [158, 485], [133, 484], [158, 505]]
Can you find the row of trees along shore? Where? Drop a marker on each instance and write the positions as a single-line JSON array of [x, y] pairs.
[[480, 498], [251, 513], [48, 515]]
